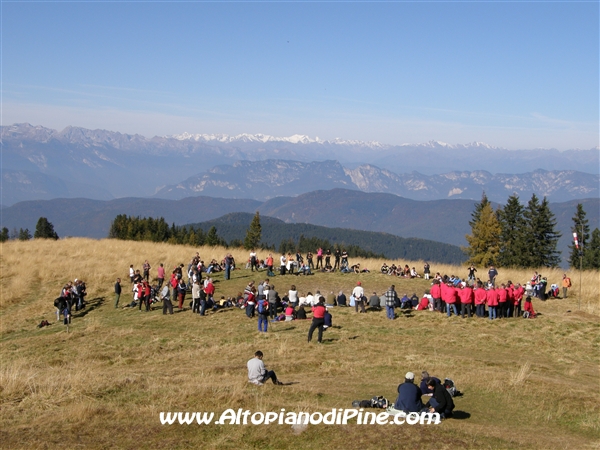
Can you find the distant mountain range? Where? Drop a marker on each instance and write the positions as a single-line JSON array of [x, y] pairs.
[[444, 221], [41, 163], [262, 180]]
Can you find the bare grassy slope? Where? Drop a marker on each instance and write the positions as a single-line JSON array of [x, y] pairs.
[[527, 383]]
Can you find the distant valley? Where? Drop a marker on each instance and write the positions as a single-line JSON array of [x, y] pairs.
[[444, 221]]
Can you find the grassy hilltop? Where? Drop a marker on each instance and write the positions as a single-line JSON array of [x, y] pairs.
[[527, 383]]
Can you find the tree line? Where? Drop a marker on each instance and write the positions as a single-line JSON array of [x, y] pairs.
[[158, 230], [43, 230], [524, 236]]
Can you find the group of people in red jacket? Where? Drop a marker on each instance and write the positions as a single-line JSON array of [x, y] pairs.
[[505, 300]]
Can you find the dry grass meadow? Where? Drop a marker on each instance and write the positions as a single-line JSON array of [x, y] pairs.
[[526, 383]]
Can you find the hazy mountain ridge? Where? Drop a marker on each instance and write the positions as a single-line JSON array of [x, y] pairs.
[[123, 165], [444, 221], [262, 180]]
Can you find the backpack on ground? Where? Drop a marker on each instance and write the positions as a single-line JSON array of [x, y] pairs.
[[379, 402], [451, 388]]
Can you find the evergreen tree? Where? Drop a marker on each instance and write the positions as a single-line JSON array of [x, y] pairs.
[[24, 234], [253, 235], [212, 238], [512, 224], [44, 229], [591, 258], [4, 235], [541, 237], [478, 208], [581, 227], [484, 240]]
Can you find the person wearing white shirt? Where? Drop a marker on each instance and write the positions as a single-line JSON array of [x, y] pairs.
[[358, 293]]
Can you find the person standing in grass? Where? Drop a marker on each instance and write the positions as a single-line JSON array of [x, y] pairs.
[[466, 300], [146, 267], [318, 321], [181, 290], [160, 272], [272, 297], [566, 284], [480, 299], [358, 292], [117, 292], [518, 293], [390, 302], [262, 308], [492, 302]]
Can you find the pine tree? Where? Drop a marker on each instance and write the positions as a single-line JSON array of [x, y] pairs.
[[212, 238], [484, 240], [4, 235], [591, 258], [478, 207], [44, 229], [24, 234], [581, 227], [254, 233], [541, 236], [512, 224]]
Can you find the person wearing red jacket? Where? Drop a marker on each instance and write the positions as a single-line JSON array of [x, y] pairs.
[[510, 298], [466, 300], [529, 308], [449, 296], [436, 294], [318, 320], [140, 295], [518, 297], [480, 298], [492, 302], [502, 301]]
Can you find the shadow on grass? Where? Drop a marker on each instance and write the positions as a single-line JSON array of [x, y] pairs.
[[89, 307], [283, 329], [353, 337], [460, 415], [330, 340]]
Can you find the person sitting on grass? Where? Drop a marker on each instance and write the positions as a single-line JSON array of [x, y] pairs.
[[301, 313], [258, 373], [374, 302], [290, 312], [409, 395], [441, 401], [425, 377]]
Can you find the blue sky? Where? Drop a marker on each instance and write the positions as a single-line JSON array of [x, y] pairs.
[[511, 74]]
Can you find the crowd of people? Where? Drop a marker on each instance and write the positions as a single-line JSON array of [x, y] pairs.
[[72, 296], [451, 295]]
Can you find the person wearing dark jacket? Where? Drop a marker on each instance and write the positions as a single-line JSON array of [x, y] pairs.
[[301, 313], [409, 395], [426, 390], [117, 292], [441, 402]]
